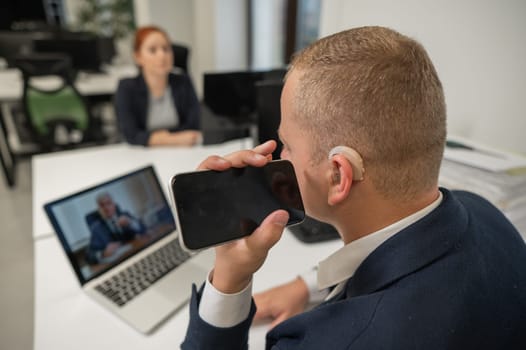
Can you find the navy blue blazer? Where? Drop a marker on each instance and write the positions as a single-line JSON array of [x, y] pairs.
[[131, 107], [456, 279]]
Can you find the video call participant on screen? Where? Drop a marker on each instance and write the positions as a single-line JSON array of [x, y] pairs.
[[157, 107], [422, 267], [110, 228]]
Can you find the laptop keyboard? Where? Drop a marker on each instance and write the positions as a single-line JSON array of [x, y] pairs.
[[130, 282]]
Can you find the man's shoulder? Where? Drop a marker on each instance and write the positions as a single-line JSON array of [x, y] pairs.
[[471, 199], [329, 326], [484, 215]]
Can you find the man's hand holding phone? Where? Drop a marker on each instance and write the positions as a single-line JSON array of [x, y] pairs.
[[238, 260]]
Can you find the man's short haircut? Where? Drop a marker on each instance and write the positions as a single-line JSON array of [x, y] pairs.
[[376, 91], [103, 195]]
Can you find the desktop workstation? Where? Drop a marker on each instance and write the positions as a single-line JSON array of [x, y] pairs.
[[228, 105], [29, 58], [65, 301], [63, 313], [58, 296], [11, 90], [32, 82], [440, 29]]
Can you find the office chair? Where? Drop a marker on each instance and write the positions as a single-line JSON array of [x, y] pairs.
[[6, 157], [57, 117], [181, 54]]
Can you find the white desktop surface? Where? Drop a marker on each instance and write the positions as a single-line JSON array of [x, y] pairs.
[[67, 318]]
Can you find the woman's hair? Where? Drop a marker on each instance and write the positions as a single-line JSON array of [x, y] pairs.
[[141, 34], [376, 91]]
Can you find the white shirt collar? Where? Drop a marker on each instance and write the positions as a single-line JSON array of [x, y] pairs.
[[341, 265]]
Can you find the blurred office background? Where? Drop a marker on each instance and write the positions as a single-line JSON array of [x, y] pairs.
[[477, 46]]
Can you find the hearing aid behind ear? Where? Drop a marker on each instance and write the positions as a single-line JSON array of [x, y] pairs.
[[353, 157]]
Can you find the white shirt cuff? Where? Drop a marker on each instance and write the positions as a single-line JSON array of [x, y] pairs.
[[224, 310], [311, 280]]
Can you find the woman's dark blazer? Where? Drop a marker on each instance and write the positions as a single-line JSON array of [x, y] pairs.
[[131, 107]]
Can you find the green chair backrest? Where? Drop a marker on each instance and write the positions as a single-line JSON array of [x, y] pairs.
[[64, 104]]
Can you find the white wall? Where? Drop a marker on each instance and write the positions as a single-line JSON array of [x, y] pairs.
[[174, 16], [268, 34], [231, 35], [219, 37], [479, 50], [204, 43]]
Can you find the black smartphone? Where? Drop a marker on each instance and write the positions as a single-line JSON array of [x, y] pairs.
[[213, 207]]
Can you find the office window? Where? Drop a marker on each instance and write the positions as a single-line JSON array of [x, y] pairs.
[[308, 22], [110, 18], [267, 28], [279, 28], [55, 12]]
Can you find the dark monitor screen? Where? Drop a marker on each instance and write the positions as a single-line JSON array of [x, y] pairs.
[[231, 94], [13, 43], [15, 11], [107, 50], [83, 50], [268, 112]]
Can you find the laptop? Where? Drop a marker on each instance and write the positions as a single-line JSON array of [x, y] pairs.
[[121, 240]]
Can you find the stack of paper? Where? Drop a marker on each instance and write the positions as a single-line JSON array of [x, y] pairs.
[[498, 176]]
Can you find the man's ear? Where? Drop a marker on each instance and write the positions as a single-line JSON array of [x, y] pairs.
[[340, 179]]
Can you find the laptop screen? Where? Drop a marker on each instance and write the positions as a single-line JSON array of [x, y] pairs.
[[105, 224]]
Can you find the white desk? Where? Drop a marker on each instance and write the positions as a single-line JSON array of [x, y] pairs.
[[67, 318], [64, 316]]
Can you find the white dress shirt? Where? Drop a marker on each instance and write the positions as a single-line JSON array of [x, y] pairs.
[[227, 310]]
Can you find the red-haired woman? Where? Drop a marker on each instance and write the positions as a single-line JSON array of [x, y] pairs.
[[157, 107]]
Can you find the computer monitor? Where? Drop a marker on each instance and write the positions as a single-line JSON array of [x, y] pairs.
[[13, 13], [268, 112], [106, 47], [231, 94], [13, 43], [87, 52]]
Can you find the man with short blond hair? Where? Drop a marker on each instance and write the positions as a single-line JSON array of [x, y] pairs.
[[364, 124]]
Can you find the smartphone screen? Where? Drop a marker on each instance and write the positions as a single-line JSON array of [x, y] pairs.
[[214, 207]]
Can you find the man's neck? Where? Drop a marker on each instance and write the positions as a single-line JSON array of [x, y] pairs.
[[360, 218]]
